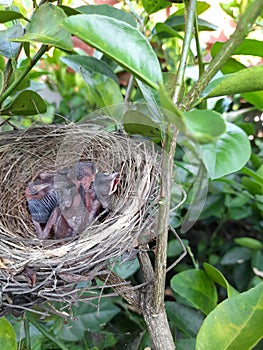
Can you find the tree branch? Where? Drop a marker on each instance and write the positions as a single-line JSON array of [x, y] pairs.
[[243, 26]]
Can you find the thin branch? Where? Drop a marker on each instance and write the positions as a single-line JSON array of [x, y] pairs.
[[163, 224], [186, 45], [24, 73], [228, 49]]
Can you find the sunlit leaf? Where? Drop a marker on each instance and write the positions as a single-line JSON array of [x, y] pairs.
[[245, 80], [6, 16], [204, 125], [120, 41], [28, 102], [109, 11], [235, 324], [45, 27], [178, 23], [91, 64], [196, 288], [7, 335], [7, 48], [227, 154], [219, 278], [152, 6]]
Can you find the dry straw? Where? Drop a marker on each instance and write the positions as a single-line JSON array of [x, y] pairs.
[[64, 270]]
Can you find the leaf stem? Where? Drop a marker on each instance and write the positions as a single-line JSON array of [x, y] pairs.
[[185, 49], [24, 73], [244, 24]]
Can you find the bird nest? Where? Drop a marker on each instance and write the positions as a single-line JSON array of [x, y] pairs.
[[32, 270]]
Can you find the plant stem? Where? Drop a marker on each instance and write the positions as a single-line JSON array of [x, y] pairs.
[[45, 332], [243, 26], [186, 45], [27, 333], [24, 73]]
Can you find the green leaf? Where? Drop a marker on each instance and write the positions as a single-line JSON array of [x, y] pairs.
[[120, 41], [45, 27], [109, 11], [163, 31], [2, 80], [250, 47], [150, 96], [104, 91], [179, 315], [125, 269], [204, 125], [152, 6], [196, 288], [201, 7], [248, 242], [89, 317], [7, 48], [91, 64], [245, 80], [28, 102], [219, 278], [6, 16], [135, 122], [174, 247], [178, 23], [228, 154], [236, 255], [255, 98], [235, 324], [7, 335]]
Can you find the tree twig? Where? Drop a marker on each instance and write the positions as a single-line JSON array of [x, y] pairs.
[[243, 26]]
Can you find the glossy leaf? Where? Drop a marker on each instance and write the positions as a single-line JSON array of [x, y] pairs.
[[45, 27], [28, 102], [250, 47], [179, 315], [227, 154], [201, 7], [178, 23], [152, 6], [91, 64], [235, 324], [204, 125], [109, 11], [249, 242], [196, 288], [7, 335], [255, 98], [120, 41], [245, 80], [163, 31], [8, 48], [105, 91], [6, 16], [219, 278]]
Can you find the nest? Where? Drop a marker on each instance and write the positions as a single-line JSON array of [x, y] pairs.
[[64, 270]]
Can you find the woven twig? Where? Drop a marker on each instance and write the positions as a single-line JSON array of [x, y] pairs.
[[60, 267]]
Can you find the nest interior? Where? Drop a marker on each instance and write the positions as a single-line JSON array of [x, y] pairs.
[[60, 267]]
